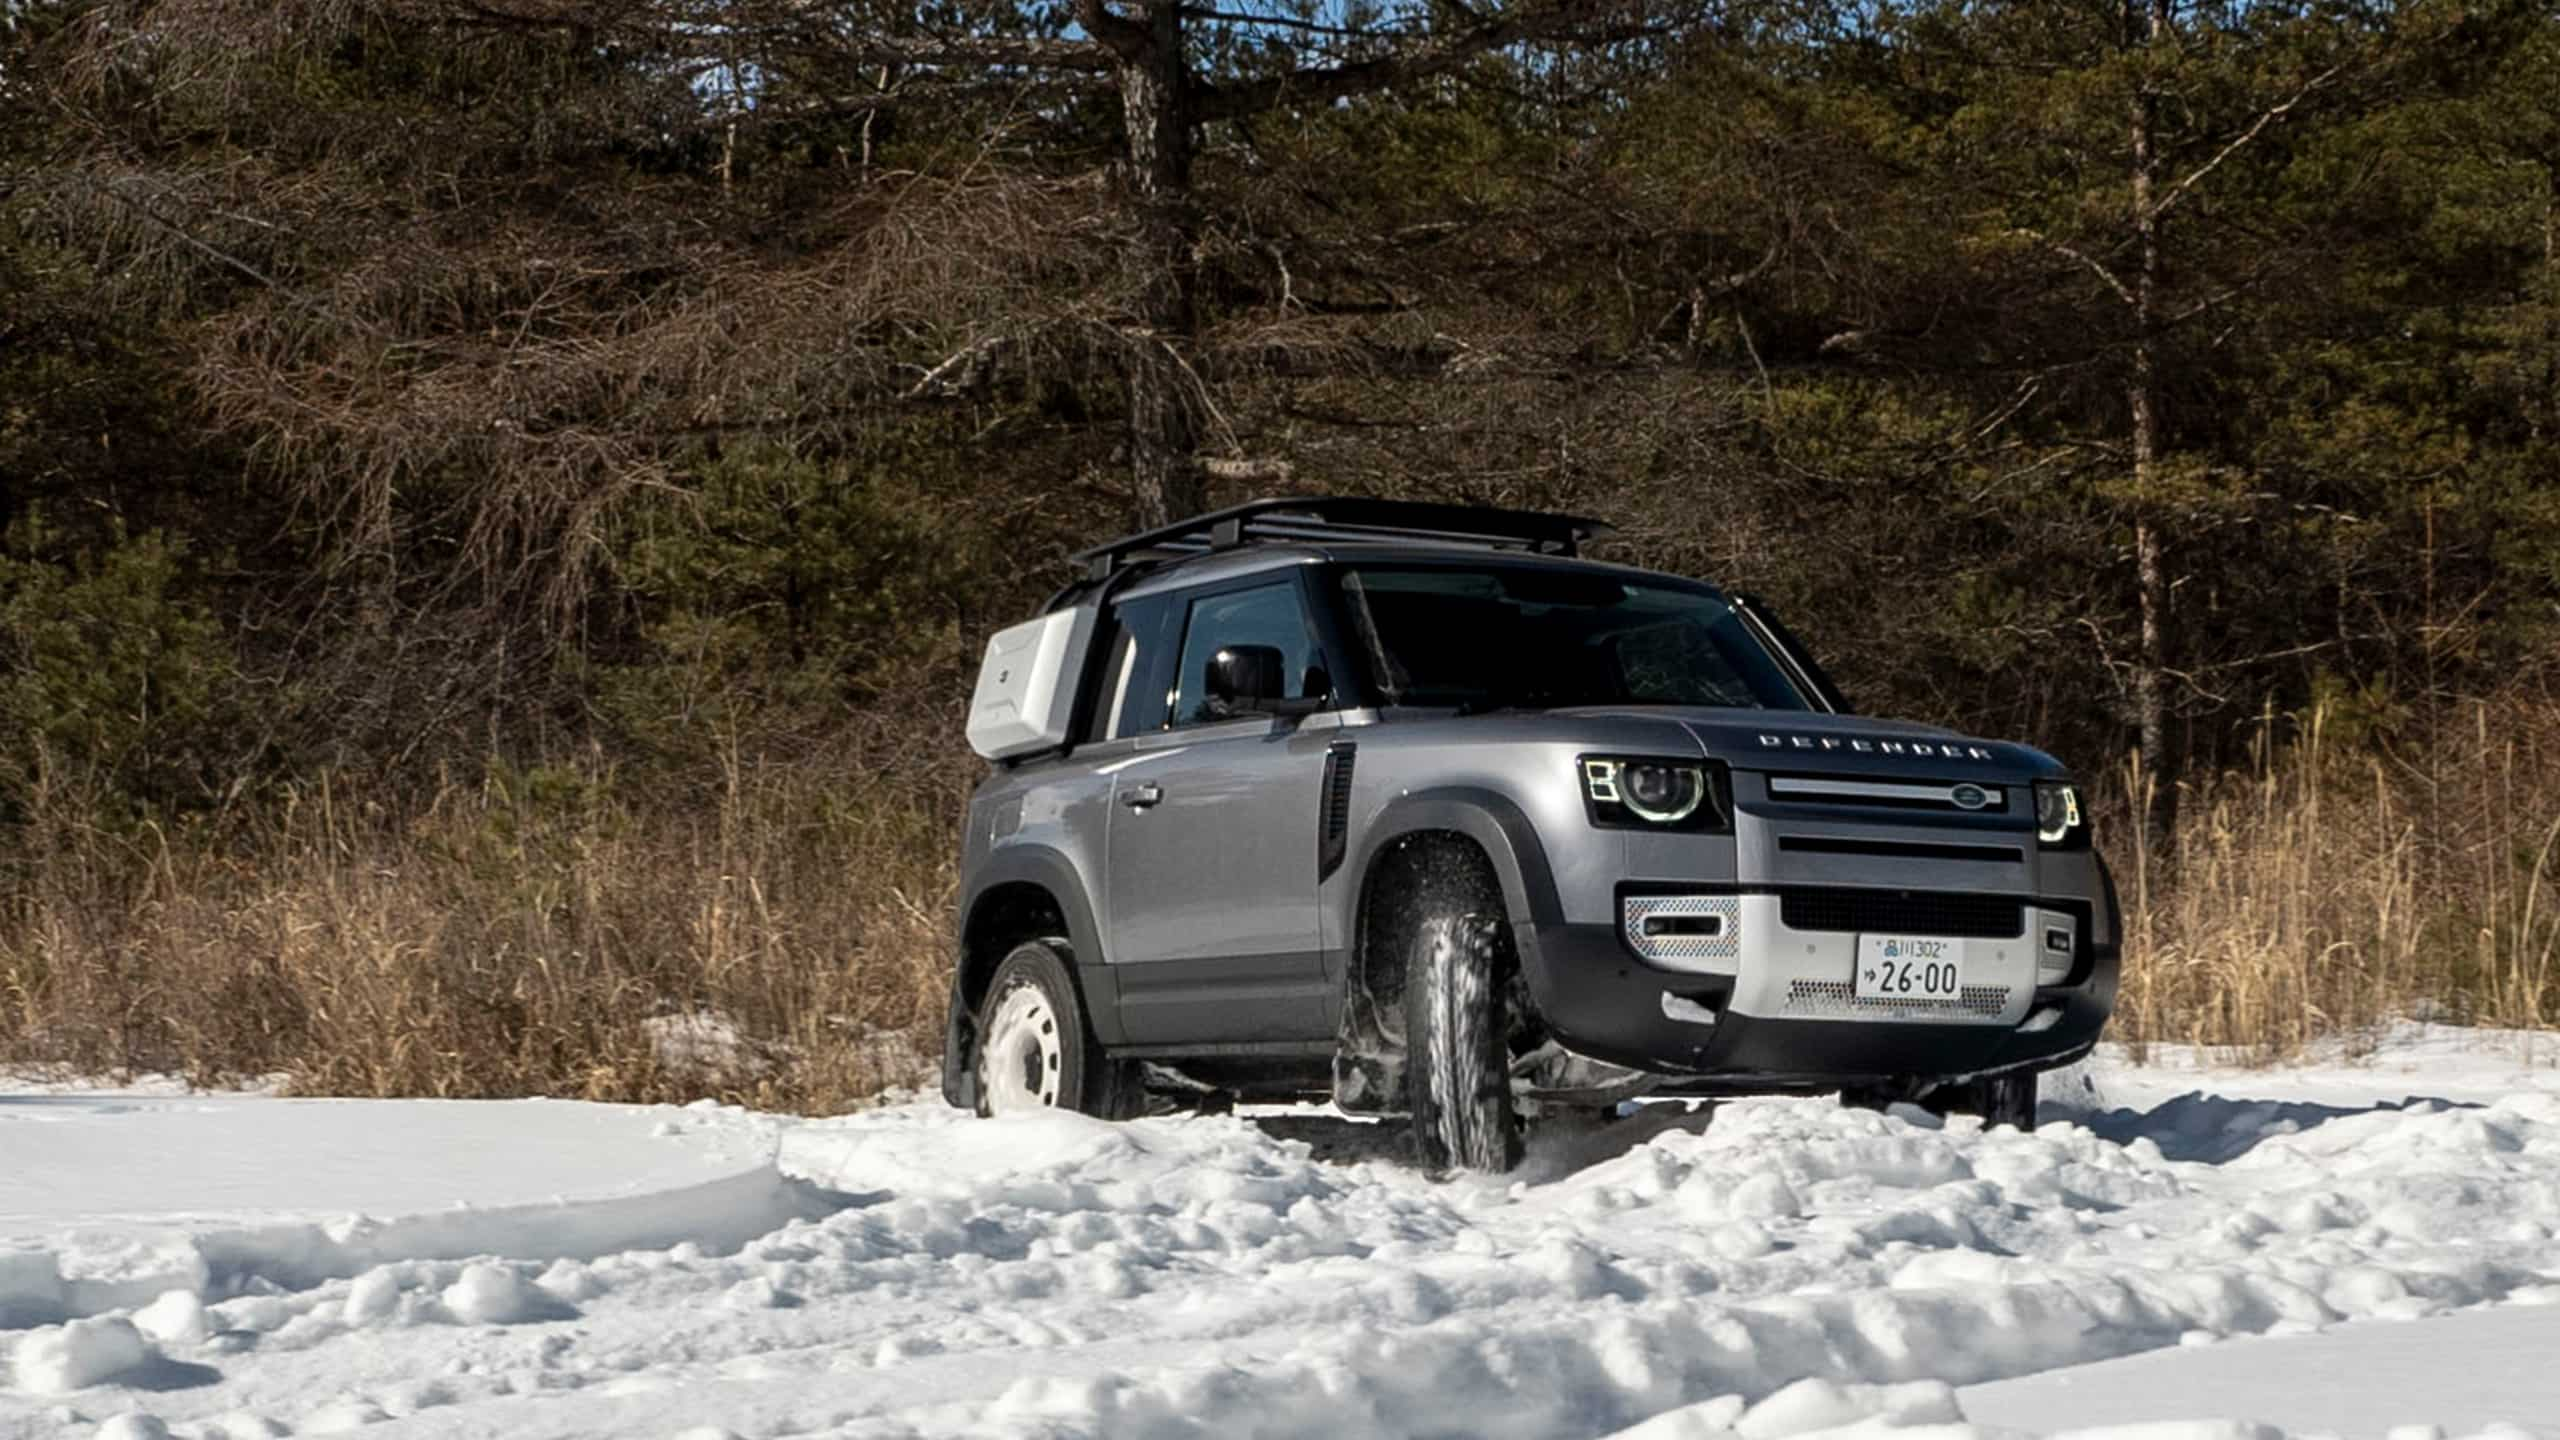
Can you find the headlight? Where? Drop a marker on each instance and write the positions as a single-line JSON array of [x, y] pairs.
[[2059, 818], [1641, 793]]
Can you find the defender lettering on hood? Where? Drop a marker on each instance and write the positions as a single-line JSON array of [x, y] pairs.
[[1926, 749]]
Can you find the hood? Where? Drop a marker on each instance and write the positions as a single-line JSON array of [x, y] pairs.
[[1805, 742]]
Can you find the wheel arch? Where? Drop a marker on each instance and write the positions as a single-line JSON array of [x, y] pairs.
[[1021, 893], [1480, 828], [1498, 828]]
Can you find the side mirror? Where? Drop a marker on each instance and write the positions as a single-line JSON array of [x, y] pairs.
[[1245, 679]]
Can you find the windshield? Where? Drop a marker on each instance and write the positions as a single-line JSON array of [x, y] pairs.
[[1496, 636]]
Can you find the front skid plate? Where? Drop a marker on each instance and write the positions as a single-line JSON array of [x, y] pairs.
[[1737, 1084], [1556, 1075]]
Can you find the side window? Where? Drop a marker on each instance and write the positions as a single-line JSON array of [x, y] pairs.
[[1271, 615], [1102, 705], [1129, 696]]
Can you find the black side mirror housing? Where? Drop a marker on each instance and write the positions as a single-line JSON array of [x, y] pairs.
[[1245, 679]]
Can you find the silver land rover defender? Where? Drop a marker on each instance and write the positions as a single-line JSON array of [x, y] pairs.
[[1407, 807]]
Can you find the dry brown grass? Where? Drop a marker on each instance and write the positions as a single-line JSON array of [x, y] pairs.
[[524, 934], [2337, 886], [516, 936]]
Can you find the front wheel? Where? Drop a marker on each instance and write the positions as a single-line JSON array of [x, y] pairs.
[[1999, 1099], [1457, 1055], [1034, 1052]]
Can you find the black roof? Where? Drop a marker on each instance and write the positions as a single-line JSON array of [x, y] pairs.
[[1320, 519]]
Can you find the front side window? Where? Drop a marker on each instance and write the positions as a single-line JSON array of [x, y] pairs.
[[1505, 636], [1268, 615]]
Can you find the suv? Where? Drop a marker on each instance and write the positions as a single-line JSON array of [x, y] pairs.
[[1406, 807]]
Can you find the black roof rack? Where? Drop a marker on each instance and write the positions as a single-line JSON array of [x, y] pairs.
[[1320, 518]]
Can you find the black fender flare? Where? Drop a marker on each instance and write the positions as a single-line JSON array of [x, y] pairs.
[[1054, 873], [1497, 825], [1368, 1074], [2107, 964]]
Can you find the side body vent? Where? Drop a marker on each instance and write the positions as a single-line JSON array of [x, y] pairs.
[[1333, 821]]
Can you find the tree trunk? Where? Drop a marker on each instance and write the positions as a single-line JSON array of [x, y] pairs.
[[1164, 407], [2151, 662], [2550, 408]]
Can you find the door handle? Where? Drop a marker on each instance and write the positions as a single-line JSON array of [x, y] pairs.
[[1142, 796]]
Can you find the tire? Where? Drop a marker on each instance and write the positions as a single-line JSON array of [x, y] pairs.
[[1035, 1051], [1457, 1061], [1878, 1098], [1999, 1099]]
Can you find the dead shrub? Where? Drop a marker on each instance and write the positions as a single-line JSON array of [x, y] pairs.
[[2334, 887], [538, 931]]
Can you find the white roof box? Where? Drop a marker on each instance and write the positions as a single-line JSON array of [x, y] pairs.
[[1027, 686]]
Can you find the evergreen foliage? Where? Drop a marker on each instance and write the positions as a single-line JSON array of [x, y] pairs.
[[398, 382]]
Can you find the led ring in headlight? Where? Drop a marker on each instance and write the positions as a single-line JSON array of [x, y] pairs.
[[1659, 792], [2058, 813], [1663, 794]]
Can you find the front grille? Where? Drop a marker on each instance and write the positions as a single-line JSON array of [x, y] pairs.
[[1987, 917], [1935, 795], [1838, 997], [1902, 849]]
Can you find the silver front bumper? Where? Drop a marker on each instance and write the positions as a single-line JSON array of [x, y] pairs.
[[1780, 972]]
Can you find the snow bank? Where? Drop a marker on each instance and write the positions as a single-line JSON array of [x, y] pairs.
[[78, 1355], [111, 1201], [1770, 1269], [1789, 1239], [2463, 1373]]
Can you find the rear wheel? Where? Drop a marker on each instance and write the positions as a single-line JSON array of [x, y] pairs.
[[1457, 1053], [1999, 1099], [1034, 1051]]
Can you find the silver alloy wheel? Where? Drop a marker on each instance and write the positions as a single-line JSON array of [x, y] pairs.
[[1023, 1055]]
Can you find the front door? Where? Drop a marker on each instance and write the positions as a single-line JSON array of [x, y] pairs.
[[1214, 935]]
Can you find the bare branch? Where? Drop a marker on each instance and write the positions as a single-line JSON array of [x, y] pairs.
[[1418, 60], [1264, 470], [979, 50], [1727, 284], [1121, 36], [1284, 22], [179, 232], [2180, 190], [2094, 265], [966, 370]]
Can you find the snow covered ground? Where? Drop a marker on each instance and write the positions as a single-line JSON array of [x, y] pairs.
[[2344, 1250], [108, 1201]]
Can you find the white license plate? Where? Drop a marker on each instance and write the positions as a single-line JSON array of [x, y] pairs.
[[1909, 967]]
